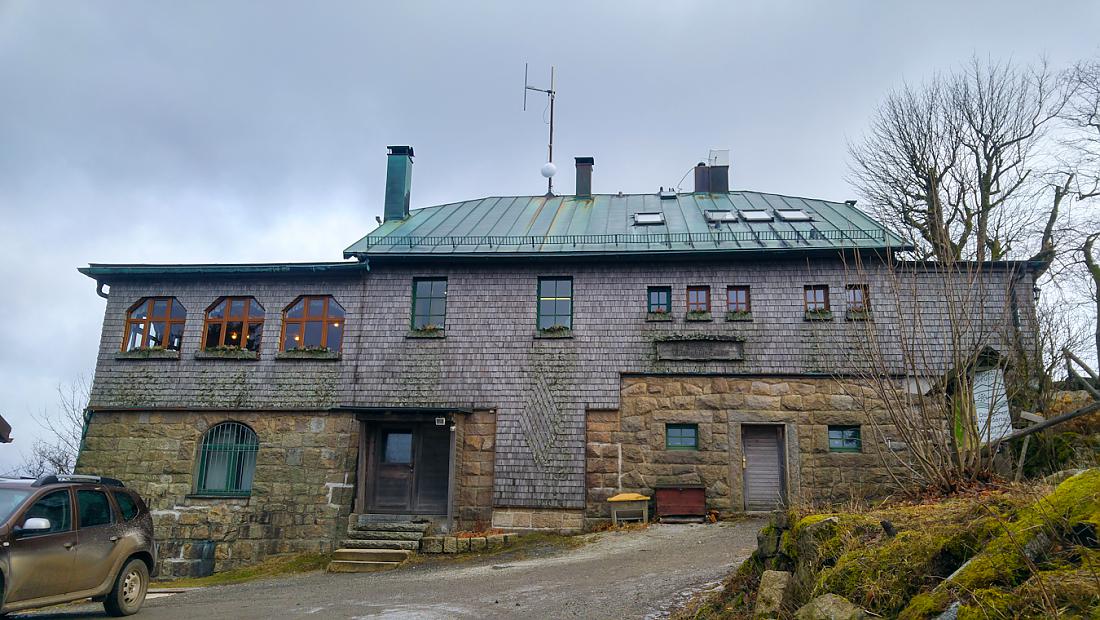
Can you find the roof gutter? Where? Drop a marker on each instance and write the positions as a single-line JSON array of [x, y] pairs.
[[105, 273]]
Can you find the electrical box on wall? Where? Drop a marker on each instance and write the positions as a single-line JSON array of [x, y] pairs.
[[441, 421]]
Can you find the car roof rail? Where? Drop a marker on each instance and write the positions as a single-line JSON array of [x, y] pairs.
[[59, 478]]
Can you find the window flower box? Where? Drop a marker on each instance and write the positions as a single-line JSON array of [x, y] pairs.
[[428, 331], [148, 353], [819, 315], [858, 315], [739, 315], [555, 331], [697, 315], [658, 315], [226, 353], [313, 353]]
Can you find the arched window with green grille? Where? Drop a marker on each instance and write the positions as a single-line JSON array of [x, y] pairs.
[[227, 460]]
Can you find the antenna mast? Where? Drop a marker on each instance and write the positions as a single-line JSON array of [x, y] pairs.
[[549, 168]]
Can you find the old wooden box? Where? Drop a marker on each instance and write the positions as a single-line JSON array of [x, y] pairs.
[[681, 501]]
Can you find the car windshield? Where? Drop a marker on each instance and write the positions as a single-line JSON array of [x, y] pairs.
[[10, 499]]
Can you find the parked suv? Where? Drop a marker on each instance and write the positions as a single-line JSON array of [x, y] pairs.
[[65, 538]]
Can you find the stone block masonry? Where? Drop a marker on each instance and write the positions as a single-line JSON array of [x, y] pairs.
[[625, 448], [301, 495]]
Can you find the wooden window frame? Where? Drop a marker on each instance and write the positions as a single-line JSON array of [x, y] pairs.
[[246, 320], [540, 298], [843, 428], [824, 288], [865, 301], [168, 319], [247, 442], [324, 318], [669, 427], [689, 303], [738, 288], [415, 298], [652, 308]]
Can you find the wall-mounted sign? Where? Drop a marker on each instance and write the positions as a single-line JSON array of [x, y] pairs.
[[701, 349]]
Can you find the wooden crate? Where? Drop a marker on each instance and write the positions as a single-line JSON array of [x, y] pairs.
[[681, 501]]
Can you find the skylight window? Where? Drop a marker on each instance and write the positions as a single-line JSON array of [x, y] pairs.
[[757, 215], [793, 215], [649, 219], [720, 216]]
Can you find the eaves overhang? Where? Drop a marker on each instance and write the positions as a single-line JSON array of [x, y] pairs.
[[108, 272]]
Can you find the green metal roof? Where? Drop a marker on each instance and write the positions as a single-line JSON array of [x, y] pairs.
[[604, 225], [106, 272]]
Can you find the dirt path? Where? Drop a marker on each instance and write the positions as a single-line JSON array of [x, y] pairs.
[[632, 574]]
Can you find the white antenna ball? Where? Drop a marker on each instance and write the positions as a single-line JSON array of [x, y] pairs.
[[549, 169]]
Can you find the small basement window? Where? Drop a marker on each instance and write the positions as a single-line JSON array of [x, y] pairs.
[[845, 439], [756, 215], [720, 216], [649, 219], [682, 436], [793, 215]]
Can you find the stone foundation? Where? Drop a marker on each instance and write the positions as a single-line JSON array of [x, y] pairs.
[[302, 489], [564, 521], [625, 449]]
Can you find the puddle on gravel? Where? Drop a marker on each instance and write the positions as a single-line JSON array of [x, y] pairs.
[[683, 598]]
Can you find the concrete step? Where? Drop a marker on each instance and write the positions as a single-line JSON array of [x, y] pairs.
[[372, 555], [351, 566], [353, 543], [384, 535]]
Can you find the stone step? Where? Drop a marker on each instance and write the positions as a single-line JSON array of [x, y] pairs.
[[386, 526], [352, 566], [384, 535], [372, 555], [411, 545]]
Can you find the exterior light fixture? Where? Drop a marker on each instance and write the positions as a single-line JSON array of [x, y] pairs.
[[1035, 291]]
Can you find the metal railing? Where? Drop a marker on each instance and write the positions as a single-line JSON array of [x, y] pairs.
[[796, 236]]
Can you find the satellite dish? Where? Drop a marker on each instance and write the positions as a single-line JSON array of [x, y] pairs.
[[549, 169]]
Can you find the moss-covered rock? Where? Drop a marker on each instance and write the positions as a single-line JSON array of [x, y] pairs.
[[1008, 571]]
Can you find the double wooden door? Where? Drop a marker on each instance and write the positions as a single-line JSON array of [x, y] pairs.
[[409, 468]]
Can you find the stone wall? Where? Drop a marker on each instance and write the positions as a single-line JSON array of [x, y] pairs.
[[720, 405], [473, 493], [302, 490], [566, 521]]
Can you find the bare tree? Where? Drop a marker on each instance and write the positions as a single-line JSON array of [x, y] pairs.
[[939, 327], [951, 164], [63, 428]]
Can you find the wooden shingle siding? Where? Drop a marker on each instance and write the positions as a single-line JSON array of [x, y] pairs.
[[491, 359]]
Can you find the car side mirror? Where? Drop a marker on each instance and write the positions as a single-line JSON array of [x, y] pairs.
[[34, 525]]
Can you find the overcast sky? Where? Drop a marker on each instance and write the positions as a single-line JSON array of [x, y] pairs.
[[256, 131]]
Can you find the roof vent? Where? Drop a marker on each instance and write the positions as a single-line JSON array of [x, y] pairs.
[[667, 194], [756, 215], [720, 216], [793, 215], [649, 219]]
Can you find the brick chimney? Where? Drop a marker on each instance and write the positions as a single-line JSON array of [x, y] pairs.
[[398, 182]]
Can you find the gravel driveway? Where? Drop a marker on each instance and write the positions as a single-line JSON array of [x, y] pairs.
[[630, 574]]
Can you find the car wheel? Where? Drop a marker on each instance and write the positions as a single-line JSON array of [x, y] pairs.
[[129, 591]]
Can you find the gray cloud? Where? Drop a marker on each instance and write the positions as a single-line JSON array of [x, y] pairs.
[[247, 131]]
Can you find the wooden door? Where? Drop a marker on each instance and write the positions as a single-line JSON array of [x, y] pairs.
[[764, 466], [393, 469]]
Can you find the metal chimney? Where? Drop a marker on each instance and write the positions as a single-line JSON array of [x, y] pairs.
[[584, 176], [398, 182]]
